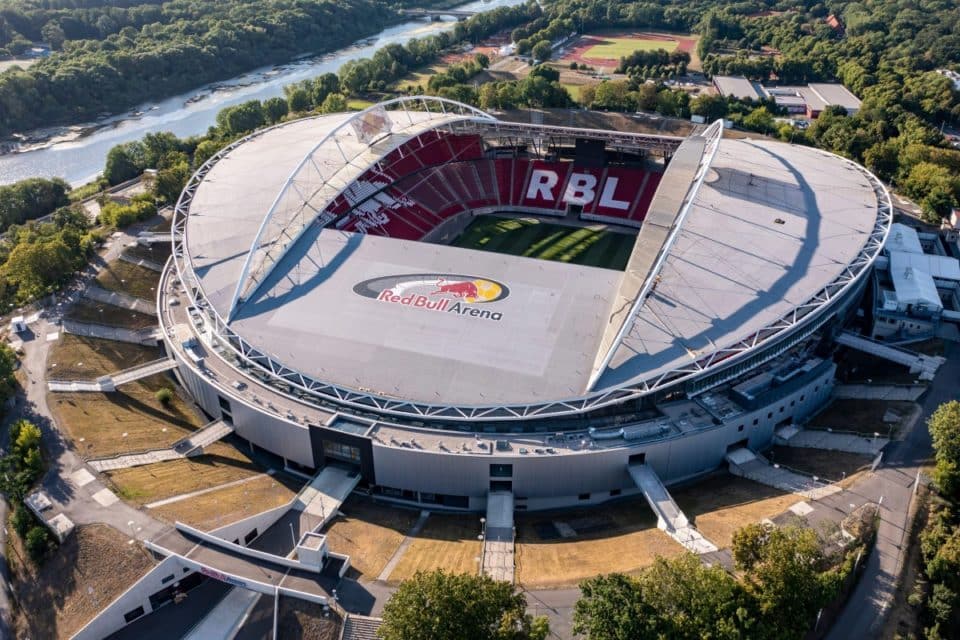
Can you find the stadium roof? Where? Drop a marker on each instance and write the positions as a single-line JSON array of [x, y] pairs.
[[771, 234]]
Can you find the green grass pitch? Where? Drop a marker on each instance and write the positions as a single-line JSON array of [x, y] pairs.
[[616, 48], [593, 246]]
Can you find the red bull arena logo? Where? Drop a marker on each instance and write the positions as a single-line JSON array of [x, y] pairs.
[[444, 293]]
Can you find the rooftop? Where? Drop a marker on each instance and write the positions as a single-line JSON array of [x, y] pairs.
[[771, 227]]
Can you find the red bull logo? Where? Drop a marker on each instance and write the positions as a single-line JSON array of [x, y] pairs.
[[446, 293]]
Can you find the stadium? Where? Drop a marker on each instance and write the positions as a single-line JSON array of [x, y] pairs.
[[458, 306]]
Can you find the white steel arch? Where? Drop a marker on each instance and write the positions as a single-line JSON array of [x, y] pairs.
[[331, 166]]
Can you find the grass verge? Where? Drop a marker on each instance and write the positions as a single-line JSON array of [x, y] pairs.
[[129, 278], [109, 315], [74, 357], [370, 534], [446, 542]]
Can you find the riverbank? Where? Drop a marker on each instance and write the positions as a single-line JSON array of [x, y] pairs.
[[81, 158]]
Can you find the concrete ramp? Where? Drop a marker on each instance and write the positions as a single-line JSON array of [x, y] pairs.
[[746, 464], [100, 385], [326, 492], [669, 516], [498, 549], [203, 438], [923, 365], [793, 436], [148, 369]]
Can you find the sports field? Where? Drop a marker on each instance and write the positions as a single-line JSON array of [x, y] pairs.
[[616, 48], [593, 246]]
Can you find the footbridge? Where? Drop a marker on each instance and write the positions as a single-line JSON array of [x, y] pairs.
[[498, 537], [670, 518], [108, 383], [919, 363]]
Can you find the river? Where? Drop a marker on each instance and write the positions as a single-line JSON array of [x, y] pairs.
[[78, 161]]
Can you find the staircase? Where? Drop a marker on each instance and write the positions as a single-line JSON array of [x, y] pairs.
[[360, 628], [669, 516], [922, 364]]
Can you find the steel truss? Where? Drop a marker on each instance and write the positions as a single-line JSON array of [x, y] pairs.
[[766, 343]]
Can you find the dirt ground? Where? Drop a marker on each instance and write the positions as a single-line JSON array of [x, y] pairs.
[[827, 465], [130, 419], [74, 583], [109, 315], [221, 464], [863, 416], [75, 357], [223, 506], [721, 503], [446, 542], [619, 537], [129, 278], [369, 533], [302, 620]]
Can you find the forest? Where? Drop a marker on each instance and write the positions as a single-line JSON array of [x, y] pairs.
[[109, 57]]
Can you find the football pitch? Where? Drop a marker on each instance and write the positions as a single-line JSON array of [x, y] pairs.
[[593, 246], [616, 48]]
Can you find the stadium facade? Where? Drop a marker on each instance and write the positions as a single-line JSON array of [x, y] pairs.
[[315, 303]]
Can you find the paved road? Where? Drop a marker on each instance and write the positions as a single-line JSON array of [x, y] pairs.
[[866, 611]]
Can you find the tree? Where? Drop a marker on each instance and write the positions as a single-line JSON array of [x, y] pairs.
[[782, 574], [334, 103], [37, 542], [298, 100], [171, 181], [541, 51], [120, 166], [677, 598], [441, 606], [275, 109], [760, 119], [709, 106], [944, 426]]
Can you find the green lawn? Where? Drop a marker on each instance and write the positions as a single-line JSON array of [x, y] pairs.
[[616, 48], [593, 246]]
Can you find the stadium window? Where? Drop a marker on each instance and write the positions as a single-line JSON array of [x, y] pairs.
[[793, 402], [802, 398], [781, 409], [224, 403], [166, 579], [130, 616], [769, 415], [740, 428], [250, 537], [756, 421], [614, 492], [583, 496]]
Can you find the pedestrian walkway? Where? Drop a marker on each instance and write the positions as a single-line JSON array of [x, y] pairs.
[[149, 336], [498, 544], [670, 518], [142, 262], [120, 299], [184, 448], [128, 460], [923, 365], [793, 436], [908, 393], [200, 492], [143, 371], [747, 464], [402, 549], [226, 617], [360, 627], [326, 493]]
